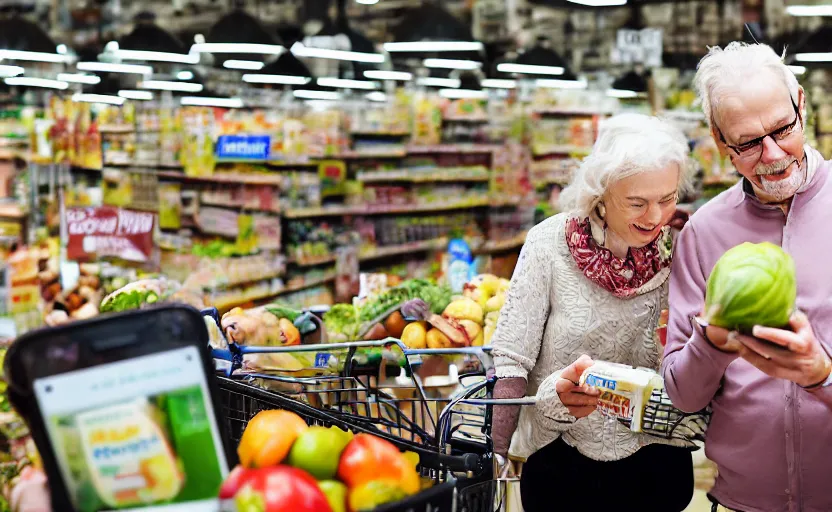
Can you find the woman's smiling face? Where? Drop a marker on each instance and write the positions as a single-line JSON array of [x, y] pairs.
[[638, 206]]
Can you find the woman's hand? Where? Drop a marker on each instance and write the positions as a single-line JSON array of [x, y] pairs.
[[580, 400]]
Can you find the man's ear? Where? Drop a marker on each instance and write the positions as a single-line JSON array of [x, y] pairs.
[[801, 104]]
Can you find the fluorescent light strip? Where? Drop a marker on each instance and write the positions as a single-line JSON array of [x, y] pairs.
[[498, 83], [797, 70], [131, 94], [554, 83], [9, 71], [457, 94], [599, 3], [33, 56], [345, 83], [166, 85], [109, 67], [434, 46], [98, 98], [248, 65], [203, 101], [316, 95], [185, 75], [431, 81], [366, 2], [376, 96], [809, 10], [256, 78], [378, 74], [814, 57], [28, 81], [79, 78], [621, 93], [529, 69], [263, 49], [299, 50], [182, 58], [451, 64]]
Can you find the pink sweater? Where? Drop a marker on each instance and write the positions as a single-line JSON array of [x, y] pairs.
[[771, 440]]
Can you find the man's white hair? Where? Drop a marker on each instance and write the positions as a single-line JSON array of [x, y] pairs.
[[729, 69], [627, 144]]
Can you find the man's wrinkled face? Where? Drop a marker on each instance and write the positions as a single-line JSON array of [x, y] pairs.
[[761, 129]]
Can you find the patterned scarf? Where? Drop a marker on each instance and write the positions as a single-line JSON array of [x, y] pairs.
[[622, 277]]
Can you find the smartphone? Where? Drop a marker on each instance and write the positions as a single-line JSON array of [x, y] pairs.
[[124, 411]]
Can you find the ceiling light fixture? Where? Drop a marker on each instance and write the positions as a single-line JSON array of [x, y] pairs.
[[434, 46], [316, 95], [299, 50], [204, 101], [185, 75], [146, 55], [498, 83], [262, 49], [814, 57], [79, 78], [797, 70], [98, 98], [432, 81], [34, 56], [256, 78], [366, 2], [9, 71], [131, 94], [166, 85], [458, 94], [599, 3], [345, 83], [452, 64], [28, 81], [109, 67], [379, 74], [376, 96], [621, 93], [809, 10], [248, 65], [529, 69], [554, 83]]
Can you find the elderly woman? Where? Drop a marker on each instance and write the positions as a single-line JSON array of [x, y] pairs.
[[591, 283]]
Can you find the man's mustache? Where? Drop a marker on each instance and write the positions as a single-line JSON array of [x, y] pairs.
[[774, 167]]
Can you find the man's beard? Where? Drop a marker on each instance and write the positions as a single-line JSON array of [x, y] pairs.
[[783, 189]]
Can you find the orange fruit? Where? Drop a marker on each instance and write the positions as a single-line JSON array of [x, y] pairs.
[[268, 438]]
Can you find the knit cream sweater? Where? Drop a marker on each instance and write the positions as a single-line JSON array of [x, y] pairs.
[[552, 315]]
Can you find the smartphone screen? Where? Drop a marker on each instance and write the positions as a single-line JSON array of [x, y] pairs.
[[136, 434]]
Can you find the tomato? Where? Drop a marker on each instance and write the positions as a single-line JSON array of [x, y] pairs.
[[281, 489], [368, 458], [238, 476]]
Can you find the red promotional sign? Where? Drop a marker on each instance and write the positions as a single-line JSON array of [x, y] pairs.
[[107, 231]]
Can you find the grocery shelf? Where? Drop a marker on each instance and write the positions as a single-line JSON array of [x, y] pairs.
[[502, 245], [309, 283], [335, 211], [238, 206], [229, 304], [378, 252], [446, 177], [571, 111], [11, 211], [239, 179], [453, 148], [560, 149], [371, 133]]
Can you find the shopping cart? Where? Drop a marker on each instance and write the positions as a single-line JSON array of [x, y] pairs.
[[344, 385]]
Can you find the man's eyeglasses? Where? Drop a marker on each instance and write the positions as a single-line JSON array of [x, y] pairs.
[[754, 148]]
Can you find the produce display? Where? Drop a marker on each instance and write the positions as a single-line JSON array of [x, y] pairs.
[[751, 284], [287, 466]]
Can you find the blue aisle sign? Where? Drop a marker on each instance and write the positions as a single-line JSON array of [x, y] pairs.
[[248, 147]]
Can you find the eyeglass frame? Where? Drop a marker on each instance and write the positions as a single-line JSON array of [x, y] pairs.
[[759, 140]]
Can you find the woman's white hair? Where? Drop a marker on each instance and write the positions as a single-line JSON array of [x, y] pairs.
[[627, 144], [728, 69]]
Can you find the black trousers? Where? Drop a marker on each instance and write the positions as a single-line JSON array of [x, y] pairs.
[[657, 478]]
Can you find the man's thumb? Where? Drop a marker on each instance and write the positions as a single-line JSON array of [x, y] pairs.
[[574, 371]]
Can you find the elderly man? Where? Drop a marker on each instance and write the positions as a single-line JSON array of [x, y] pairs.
[[771, 430]]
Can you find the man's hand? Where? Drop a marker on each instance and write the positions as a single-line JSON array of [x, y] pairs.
[[723, 339], [794, 355], [580, 400]]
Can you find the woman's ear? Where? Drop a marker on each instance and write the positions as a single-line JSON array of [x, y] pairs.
[[602, 210]]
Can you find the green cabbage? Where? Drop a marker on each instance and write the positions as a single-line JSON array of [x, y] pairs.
[[751, 284]]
